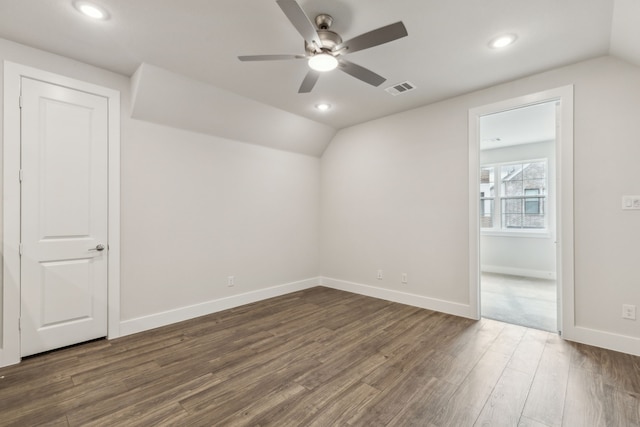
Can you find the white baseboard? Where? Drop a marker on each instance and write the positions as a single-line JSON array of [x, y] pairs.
[[145, 323], [538, 274], [457, 309], [608, 340]]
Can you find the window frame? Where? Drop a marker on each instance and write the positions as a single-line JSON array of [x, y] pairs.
[[497, 228]]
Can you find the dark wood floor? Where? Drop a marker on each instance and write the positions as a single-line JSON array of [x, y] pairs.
[[324, 357]]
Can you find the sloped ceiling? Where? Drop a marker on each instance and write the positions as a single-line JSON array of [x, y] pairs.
[[445, 54]]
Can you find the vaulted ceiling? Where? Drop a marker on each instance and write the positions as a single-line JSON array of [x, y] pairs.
[[445, 54]]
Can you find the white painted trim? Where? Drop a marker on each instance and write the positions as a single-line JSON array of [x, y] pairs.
[[13, 73], [414, 300], [10, 352], [114, 217], [169, 317], [564, 199], [537, 274], [474, 213], [608, 340]]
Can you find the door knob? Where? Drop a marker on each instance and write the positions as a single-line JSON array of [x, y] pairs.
[[99, 248]]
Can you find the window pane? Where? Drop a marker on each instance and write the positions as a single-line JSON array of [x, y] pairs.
[[536, 184], [512, 188], [487, 182], [523, 212], [487, 191], [535, 170], [531, 206]]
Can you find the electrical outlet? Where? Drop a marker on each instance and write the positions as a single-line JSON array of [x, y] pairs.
[[231, 281], [379, 276], [404, 278], [629, 311]]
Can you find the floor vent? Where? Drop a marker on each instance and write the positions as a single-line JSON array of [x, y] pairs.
[[399, 88]]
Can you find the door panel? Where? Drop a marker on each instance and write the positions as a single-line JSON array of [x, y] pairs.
[[64, 216]]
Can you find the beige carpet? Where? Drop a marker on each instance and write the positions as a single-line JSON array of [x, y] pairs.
[[520, 300]]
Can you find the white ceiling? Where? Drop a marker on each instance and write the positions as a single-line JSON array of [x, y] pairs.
[[445, 54], [524, 125]]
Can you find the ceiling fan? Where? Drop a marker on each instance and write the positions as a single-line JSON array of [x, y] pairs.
[[325, 48]]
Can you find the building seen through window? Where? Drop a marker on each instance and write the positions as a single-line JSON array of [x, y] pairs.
[[514, 195]]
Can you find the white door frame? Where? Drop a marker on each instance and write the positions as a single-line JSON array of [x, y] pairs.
[[564, 199], [13, 73]]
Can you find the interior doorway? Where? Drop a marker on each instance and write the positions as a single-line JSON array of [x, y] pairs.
[[518, 216], [64, 216], [16, 251], [559, 203]]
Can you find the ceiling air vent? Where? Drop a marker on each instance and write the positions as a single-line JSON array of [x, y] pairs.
[[399, 88]]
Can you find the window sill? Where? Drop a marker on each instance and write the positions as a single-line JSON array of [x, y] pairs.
[[538, 234]]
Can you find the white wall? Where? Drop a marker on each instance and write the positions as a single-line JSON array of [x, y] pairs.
[[197, 208], [395, 197], [519, 253]]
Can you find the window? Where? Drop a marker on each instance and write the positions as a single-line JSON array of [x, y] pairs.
[[513, 196], [532, 205]]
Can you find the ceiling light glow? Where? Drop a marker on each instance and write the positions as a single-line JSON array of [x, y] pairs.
[[502, 41], [323, 107], [323, 62], [91, 10]]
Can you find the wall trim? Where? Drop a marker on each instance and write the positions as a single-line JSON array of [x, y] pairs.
[[13, 73], [152, 321], [608, 340], [449, 307], [513, 271]]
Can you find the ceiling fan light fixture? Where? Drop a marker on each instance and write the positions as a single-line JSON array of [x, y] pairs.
[[323, 62], [91, 10], [502, 41]]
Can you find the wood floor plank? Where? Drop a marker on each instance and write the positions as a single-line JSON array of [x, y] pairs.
[[590, 401], [313, 402], [257, 409], [505, 405], [545, 402], [421, 408], [617, 369], [325, 357], [470, 397], [118, 408], [528, 422], [345, 407], [216, 404], [527, 355]]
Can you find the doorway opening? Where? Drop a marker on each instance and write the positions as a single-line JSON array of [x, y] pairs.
[[529, 195], [517, 216], [15, 252]]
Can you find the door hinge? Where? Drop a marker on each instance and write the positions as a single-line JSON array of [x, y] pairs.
[[20, 175], [20, 323], [20, 249], [20, 101]]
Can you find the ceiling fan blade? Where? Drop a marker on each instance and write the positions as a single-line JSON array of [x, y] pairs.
[[361, 73], [309, 81], [373, 38], [269, 57], [299, 19]]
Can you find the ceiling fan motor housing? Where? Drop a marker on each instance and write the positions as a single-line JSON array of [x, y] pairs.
[[328, 38]]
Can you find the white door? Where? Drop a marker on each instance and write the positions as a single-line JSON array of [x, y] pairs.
[[64, 143]]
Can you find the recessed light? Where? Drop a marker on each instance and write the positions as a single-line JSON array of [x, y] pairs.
[[91, 10], [323, 107], [502, 41]]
